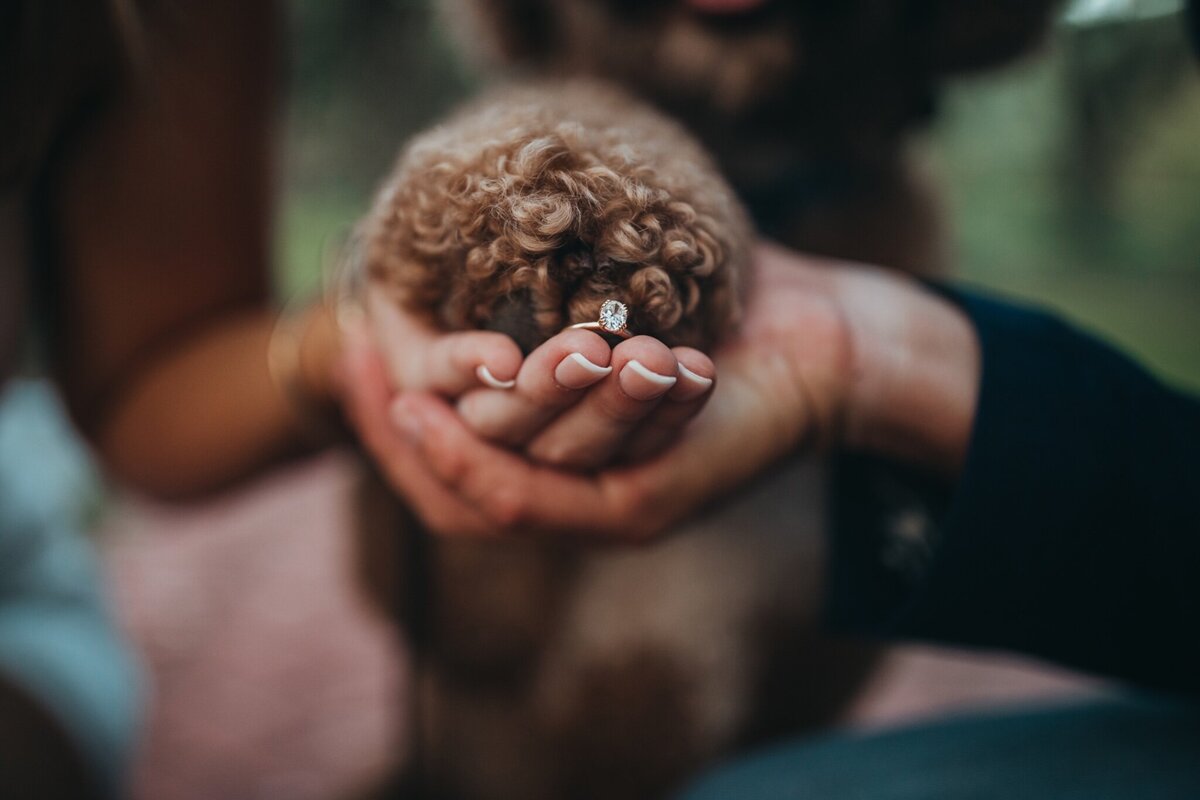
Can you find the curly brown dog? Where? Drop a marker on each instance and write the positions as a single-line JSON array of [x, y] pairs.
[[530, 208]]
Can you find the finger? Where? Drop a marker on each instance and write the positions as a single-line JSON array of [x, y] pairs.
[[453, 363], [420, 358], [551, 379], [439, 509], [687, 398], [368, 396], [592, 431], [515, 495]]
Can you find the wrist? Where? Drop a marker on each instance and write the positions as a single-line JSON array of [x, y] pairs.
[[319, 347], [301, 356], [914, 379]]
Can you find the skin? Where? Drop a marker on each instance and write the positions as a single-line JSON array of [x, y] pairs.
[[163, 215], [831, 355], [555, 412]]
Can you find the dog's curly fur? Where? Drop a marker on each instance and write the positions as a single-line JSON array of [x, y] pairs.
[[535, 204]]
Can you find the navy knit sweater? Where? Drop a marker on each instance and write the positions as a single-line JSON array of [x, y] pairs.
[[1073, 533]]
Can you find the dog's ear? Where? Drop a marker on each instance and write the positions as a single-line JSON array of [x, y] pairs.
[[965, 35]]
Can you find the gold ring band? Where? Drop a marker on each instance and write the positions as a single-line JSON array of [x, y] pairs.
[[596, 326]]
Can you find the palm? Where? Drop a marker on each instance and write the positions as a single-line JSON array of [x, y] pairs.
[[785, 375], [783, 381]]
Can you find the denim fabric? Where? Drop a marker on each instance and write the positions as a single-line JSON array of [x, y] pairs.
[[57, 639], [1112, 749]]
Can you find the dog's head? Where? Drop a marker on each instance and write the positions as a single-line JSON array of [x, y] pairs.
[[529, 209]]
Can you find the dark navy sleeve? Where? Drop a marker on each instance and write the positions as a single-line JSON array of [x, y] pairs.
[[1073, 533]]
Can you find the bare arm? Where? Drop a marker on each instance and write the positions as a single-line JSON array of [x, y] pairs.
[[163, 228]]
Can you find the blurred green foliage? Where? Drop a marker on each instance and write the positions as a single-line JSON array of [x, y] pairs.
[[365, 75], [1071, 178]]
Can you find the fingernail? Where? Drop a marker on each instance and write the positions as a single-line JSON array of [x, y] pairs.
[[407, 421], [641, 383], [576, 372], [484, 374], [699, 381]]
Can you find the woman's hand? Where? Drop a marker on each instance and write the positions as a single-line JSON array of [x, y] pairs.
[[579, 404], [575, 402], [390, 348]]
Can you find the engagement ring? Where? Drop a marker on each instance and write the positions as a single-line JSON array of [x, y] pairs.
[[613, 316]]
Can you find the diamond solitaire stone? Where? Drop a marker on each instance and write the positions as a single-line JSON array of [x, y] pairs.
[[613, 316]]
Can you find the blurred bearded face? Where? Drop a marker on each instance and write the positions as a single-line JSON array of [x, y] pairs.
[[844, 77], [723, 54]]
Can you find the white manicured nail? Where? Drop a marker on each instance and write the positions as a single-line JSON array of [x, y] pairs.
[[642, 383], [651, 375], [485, 375], [699, 381], [575, 371]]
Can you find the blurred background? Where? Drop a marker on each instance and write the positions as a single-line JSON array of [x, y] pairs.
[[1071, 178]]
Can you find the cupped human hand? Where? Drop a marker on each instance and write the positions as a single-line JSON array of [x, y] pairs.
[[389, 434]]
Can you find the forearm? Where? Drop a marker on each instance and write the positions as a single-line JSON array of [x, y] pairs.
[[158, 215], [208, 410]]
